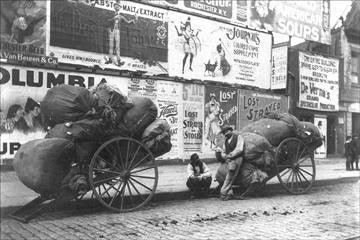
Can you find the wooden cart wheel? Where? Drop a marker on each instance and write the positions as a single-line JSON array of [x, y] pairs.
[[295, 166], [123, 174]]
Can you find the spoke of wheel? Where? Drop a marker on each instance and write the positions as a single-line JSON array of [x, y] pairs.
[[287, 181], [303, 160], [106, 191], [306, 165], [304, 176], [105, 180], [292, 181], [122, 163], [298, 175], [285, 166], [110, 153], [137, 150], [99, 190], [122, 196], [143, 176], [142, 199], [297, 152], [141, 184], [116, 193], [105, 170], [111, 186], [296, 181], [127, 155], [139, 162], [305, 171], [101, 158], [130, 193], [143, 169], [286, 171]]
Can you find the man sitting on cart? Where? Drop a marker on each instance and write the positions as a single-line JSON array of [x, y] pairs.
[[237, 171]]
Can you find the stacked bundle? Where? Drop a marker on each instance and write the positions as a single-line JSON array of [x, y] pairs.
[[263, 137], [78, 121]]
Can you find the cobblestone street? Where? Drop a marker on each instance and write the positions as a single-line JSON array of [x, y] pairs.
[[330, 212]]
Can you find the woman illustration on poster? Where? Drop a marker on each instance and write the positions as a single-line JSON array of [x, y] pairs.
[[212, 119], [191, 43], [224, 64]]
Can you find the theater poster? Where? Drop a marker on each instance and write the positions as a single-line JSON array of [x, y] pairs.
[[210, 50], [193, 118], [220, 108], [23, 31], [170, 108], [140, 87], [254, 105], [22, 88], [279, 66], [320, 121], [318, 82], [126, 36]]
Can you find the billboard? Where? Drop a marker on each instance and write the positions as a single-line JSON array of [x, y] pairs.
[[142, 87], [303, 19], [23, 88], [318, 82], [170, 108], [221, 108], [22, 30], [279, 66], [321, 122], [127, 36], [254, 105], [193, 118], [209, 50]]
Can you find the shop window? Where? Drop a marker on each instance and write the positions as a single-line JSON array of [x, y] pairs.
[[355, 64]]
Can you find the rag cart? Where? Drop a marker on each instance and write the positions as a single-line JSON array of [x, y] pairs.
[[122, 175]]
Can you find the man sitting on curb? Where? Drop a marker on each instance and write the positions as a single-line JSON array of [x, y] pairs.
[[199, 176]]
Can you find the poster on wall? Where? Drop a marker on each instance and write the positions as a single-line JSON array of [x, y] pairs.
[[22, 88], [318, 82], [126, 36], [220, 9], [254, 105], [303, 19], [209, 50], [279, 66], [193, 118], [169, 103], [220, 108], [321, 123], [142, 87], [23, 34]]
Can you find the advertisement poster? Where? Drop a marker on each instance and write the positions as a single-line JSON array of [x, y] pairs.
[[22, 31], [169, 103], [279, 66], [193, 118], [22, 88], [142, 87], [209, 50], [318, 82], [321, 123], [127, 36], [303, 19], [222, 8], [220, 108], [254, 105]]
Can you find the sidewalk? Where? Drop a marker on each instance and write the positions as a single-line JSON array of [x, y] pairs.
[[172, 179]]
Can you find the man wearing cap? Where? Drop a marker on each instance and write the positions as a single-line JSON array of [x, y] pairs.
[[355, 152], [232, 153]]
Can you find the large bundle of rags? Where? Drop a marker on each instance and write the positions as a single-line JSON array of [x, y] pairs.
[[78, 121], [262, 137]]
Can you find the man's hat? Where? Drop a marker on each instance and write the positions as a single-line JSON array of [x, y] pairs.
[[225, 128], [31, 104], [212, 95], [116, 3]]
